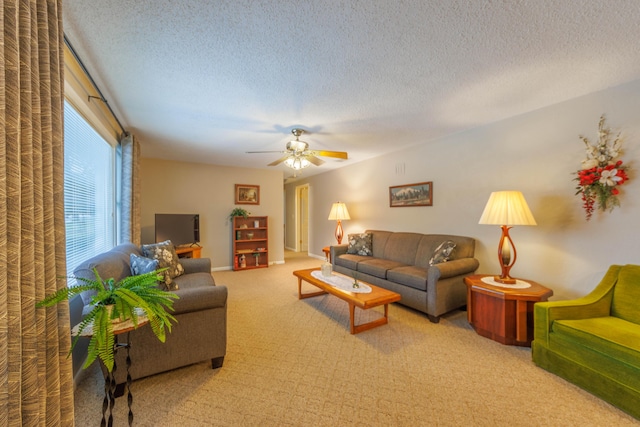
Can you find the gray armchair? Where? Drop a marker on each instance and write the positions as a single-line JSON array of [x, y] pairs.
[[201, 313]]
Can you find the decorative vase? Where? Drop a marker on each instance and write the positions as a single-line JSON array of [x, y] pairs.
[[326, 269], [250, 235]]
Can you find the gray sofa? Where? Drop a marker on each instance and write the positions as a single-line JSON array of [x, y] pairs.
[[201, 313], [400, 263]]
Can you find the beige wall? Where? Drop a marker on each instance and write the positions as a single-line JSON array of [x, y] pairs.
[[535, 153], [208, 190]]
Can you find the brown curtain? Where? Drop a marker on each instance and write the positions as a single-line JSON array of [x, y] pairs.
[[36, 384], [130, 191]]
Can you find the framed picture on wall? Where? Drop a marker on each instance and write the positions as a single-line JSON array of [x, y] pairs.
[[247, 194], [420, 194]]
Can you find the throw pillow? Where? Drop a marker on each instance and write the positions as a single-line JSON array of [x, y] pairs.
[[166, 255], [141, 265], [360, 244], [443, 253]]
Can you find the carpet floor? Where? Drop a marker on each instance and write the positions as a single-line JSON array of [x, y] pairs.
[[293, 362]]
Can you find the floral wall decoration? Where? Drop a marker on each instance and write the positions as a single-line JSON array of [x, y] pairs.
[[602, 172]]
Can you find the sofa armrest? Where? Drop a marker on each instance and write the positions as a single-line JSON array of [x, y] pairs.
[[596, 304], [452, 268], [196, 265], [336, 251], [199, 298]]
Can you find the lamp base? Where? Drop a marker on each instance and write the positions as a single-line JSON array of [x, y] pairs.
[[506, 280], [339, 233]]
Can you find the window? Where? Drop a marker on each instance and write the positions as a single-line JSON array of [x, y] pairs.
[[89, 193]]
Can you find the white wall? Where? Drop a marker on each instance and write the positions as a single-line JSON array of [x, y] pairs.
[[535, 153], [208, 190]]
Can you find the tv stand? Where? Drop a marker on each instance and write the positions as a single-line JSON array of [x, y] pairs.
[[189, 251]]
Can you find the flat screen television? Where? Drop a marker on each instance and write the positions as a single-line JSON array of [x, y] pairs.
[[181, 229]]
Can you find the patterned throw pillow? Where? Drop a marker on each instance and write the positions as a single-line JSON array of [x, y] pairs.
[[141, 265], [166, 255], [360, 244], [443, 253]]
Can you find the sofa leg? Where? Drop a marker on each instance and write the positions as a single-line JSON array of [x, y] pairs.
[[217, 362], [433, 319]]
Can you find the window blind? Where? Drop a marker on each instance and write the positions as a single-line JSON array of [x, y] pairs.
[[89, 193]]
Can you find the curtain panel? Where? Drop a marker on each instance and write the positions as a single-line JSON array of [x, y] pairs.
[[130, 190], [36, 384]]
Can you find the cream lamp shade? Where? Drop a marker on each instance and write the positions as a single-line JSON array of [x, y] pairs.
[[338, 213], [506, 208]]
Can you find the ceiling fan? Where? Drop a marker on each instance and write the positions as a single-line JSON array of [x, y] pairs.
[[299, 156]]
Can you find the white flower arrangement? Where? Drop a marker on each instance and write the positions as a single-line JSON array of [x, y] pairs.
[[601, 172]]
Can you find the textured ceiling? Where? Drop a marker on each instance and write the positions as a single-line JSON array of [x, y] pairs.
[[206, 81]]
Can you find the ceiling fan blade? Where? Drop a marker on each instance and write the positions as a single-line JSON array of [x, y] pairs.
[[254, 152], [336, 154], [280, 160], [316, 161]]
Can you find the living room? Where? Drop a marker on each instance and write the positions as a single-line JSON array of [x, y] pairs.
[[503, 144]]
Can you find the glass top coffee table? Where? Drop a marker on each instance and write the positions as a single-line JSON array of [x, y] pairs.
[[375, 298]]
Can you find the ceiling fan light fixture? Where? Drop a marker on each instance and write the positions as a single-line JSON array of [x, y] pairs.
[[297, 146], [297, 163]]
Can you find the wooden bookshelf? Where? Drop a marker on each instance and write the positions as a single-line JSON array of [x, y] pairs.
[[251, 241]]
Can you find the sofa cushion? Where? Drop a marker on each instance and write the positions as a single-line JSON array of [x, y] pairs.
[[626, 294], [615, 337], [166, 255], [142, 265], [409, 275], [360, 244], [443, 253], [401, 247], [350, 261], [377, 267], [379, 241]]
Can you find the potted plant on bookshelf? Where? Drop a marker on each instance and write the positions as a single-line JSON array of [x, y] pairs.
[[238, 212], [131, 298]]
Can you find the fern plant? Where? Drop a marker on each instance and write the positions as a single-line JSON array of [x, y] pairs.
[[129, 298]]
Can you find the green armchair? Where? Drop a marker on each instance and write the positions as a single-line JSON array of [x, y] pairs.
[[594, 341]]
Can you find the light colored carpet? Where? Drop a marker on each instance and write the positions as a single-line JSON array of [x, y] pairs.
[[293, 362]]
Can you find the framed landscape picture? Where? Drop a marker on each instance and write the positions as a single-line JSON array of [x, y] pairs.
[[420, 194], [247, 194]]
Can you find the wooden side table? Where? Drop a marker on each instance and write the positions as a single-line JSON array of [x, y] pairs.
[[110, 393], [502, 312]]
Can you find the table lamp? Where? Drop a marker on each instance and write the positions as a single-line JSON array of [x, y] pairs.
[[506, 208], [338, 213]]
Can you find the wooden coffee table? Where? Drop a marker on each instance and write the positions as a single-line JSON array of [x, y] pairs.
[[377, 297]]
